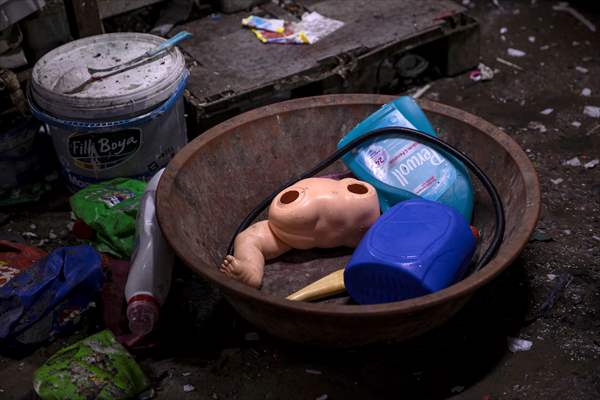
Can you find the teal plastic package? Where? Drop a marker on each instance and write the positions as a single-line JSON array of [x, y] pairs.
[[402, 169]]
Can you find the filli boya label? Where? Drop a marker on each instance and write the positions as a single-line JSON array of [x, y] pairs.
[[104, 150]]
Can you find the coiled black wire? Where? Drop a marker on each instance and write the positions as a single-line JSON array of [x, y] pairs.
[[412, 134]]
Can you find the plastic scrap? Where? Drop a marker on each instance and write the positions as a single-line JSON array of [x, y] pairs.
[[515, 52], [517, 344], [537, 126], [547, 111], [482, 73], [564, 6], [557, 181], [592, 111], [97, 367], [49, 297], [508, 63], [312, 27], [591, 164], [265, 24], [576, 124], [110, 209], [531, 39], [188, 388], [573, 162], [586, 92], [583, 70]]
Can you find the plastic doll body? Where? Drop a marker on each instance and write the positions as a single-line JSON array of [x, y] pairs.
[[314, 212]]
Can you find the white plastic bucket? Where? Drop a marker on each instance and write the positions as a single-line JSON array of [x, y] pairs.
[[126, 125]]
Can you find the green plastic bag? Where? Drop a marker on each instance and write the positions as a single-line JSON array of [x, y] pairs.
[[97, 367], [110, 209]]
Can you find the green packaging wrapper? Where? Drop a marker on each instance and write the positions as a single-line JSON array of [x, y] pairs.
[[97, 367], [110, 209]]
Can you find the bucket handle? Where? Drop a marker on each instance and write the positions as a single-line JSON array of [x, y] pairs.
[[79, 126]]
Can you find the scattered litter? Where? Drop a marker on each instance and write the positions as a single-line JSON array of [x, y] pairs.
[[575, 43], [503, 30], [457, 389], [544, 47], [592, 111], [551, 277], [583, 70], [97, 367], [482, 73], [594, 129], [564, 6], [576, 124], [516, 11], [503, 61], [557, 181], [188, 388], [420, 92], [591, 164], [567, 231], [466, 2], [322, 397], [52, 235], [540, 236], [29, 235], [251, 337], [573, 162], [33, 227], [537, 126], [312, 27], [516, 344], [265, 24], [531, 39], [561, 283], [547, 111], [503, 38], [495, 2], [596, 238], [515, 52], [313, 372], [587, 92], [186, 374]]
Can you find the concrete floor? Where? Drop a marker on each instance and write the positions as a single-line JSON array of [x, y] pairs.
[[206, 345]]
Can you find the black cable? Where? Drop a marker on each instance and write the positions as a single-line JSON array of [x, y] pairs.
[[413, 134]]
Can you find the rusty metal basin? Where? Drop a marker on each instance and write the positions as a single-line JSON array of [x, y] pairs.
[[210, 186]]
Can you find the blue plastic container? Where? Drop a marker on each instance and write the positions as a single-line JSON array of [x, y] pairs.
[[402, 169], [417, 247]]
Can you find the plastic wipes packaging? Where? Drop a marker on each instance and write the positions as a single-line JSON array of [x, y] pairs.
[[312, 28], [49, 297], [97, 367], [265, 24], [401, 169], [110, 209]]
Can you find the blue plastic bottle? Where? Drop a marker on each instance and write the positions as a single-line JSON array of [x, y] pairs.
[[401, 169], [417, 247]]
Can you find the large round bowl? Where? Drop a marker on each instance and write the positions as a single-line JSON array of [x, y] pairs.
[[210, 186]]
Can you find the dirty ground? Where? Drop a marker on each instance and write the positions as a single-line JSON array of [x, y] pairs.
[[550, 296]]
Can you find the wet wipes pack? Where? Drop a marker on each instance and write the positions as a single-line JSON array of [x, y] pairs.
[[401, 169]]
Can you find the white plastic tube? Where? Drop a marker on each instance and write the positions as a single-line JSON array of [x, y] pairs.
[[151, 269]]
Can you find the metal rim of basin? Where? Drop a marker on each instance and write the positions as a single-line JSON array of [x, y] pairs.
[[465, 287]]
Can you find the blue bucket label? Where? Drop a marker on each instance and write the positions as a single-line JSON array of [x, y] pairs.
[[406, 164], [95, 151]]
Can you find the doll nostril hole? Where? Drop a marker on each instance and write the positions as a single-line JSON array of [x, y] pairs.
[[357, 188], [289, 197]]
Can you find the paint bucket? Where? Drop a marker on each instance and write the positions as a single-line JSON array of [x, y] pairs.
[[129, 124]]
